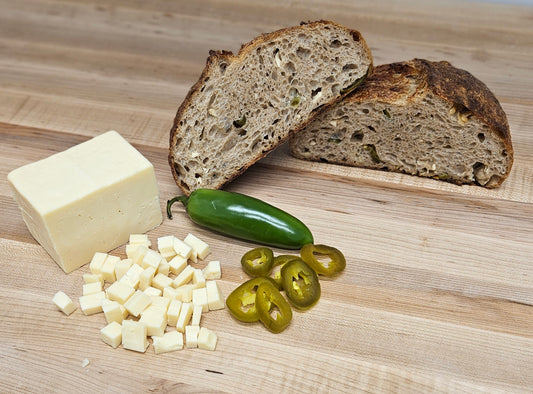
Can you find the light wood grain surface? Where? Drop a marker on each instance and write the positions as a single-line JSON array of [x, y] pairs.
[[437, 295]]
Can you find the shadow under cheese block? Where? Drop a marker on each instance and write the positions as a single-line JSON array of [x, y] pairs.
[[87, 199]]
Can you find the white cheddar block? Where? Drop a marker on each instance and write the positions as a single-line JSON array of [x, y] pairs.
[[212, 270], [146, 277], [64, 303], [137, 303], [160, 303], [169, 342], [199, 297], [97, 261], [112, 334], [113, 311], [132, 276], [177, 264], [185, 316], [134, 336], [87, 199], [161, 281], [184, 277], [139, 239], [108, 268], [91, 278], [152, 291], [121, 267], [136, 252], [182, 249], [91, 304], [155, 321], [164, 267], [215, 298], [173, 312], [91, 288], [120, 292], [151, 259], [207, 339], [196, 315], [198, 279], [200, 247], [184, 293], [191, 336]]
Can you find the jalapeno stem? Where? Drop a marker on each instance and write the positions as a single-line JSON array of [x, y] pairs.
[[183, 199]]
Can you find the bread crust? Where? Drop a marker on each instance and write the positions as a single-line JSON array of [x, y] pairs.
[[213, 60], [404, 82]]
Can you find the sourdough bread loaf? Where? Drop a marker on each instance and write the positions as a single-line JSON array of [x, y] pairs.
[[418, 117], [245, 105]]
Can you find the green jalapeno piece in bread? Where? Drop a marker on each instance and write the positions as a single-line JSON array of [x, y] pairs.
[[244, 217]]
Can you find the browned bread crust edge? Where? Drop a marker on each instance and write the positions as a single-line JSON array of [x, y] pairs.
[[213, 60]]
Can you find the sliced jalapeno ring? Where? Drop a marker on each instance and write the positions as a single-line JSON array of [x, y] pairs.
[[300, 283], [279, 262], [274, 311], [241, 301], [258, 261], [314, 255]]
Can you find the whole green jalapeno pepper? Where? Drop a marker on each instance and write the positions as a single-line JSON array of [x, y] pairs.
[[300, 283], [258, 261], [335, 263], [244, 217], [274, 311]]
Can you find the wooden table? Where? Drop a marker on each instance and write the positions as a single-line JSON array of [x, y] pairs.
[[437, 295]]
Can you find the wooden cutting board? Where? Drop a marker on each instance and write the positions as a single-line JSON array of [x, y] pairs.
[[437, 295]]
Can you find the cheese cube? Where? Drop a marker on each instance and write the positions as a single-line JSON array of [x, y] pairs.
[[169, 342], [184, 293], [196, 315], [207, 339], [108, 268], [91, 288], [64, 303], [140, 239], [112, 334], [151, 259], [166, 244], [155, 321], [160, 303], [168, 255], [136, 252], [132, 276], [200, 247], [170, 293], [182, 249], [185, 316], [91, 278], [199, 297], [212, 270], [121, 267], [164, 267], [152, 291], [177, 264], [191, 336], [97, 262], [120, 292], [113, 311], [87, 198], [173, 312], [198, 279], [184, 277], [215, 298], [137, 303], [146, 277], [92, 303], [161, 281], [134, 336]]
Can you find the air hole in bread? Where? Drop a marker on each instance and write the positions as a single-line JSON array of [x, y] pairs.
[[303, 53], [357, 136], [349, 66], [371, 128], [335, 43], [481, 137]]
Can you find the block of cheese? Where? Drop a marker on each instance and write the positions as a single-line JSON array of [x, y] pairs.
[[87, 199]]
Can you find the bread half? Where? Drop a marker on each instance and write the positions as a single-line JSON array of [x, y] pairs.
[[418, 117], [245, 105]]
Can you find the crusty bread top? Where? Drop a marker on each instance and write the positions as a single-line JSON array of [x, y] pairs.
[[404, 81], [216, 65]]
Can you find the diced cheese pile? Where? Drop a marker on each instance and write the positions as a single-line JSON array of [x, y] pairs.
[[164, 295]]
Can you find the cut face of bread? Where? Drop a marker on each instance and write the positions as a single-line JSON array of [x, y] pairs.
[[243, 106], [421, 118]]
